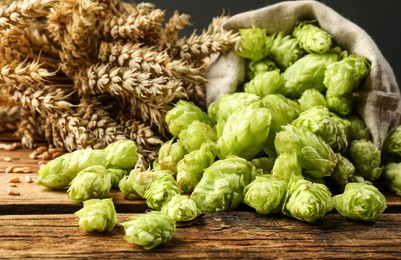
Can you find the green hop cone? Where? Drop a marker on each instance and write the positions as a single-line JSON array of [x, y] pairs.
[[342, 173], [265, 83], [183, 114], [285, 166], [244, 133], [195, 135], [285, 50], [360, 201], [255, 67], [149, 230], [134, 184], [59, 172], [311, 37], [311, 98], [116, 175], [366, 158], [181, 208], [121, 154], [93, 182], [97, 215], [160, 190], [315, 156], [190, 168], [341, 105], [357, 128], [222, 184], [265, 194], [332, 129], [345, 76], [229, 103], [263, 164], [254, 44], [392, 146], [392, 177], [306, 200], [170, 153], [306, 73]]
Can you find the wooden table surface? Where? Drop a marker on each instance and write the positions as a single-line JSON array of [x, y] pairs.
[[40, 223]]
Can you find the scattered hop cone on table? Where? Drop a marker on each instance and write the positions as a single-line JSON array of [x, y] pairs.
[[121, 154], [90, 183], [307, 201], [97, 215], [149, 230], [59, 172], [360, 201], [181, 208]]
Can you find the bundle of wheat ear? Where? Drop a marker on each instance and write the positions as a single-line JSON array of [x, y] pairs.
[[85, 73]]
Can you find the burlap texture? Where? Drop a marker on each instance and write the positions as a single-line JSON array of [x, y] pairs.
[[377, 101]]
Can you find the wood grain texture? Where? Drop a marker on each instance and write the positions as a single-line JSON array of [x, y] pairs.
[[235, 235]]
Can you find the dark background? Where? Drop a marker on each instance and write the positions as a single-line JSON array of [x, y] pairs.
[[380, 19]]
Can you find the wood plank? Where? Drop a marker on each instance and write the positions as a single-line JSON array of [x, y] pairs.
[[220, 235], [35, 199]]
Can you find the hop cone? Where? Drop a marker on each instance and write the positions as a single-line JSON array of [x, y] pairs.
[[392, 177], [254, 44], [160, 190], [315, 156], [195, 135], [265, 194], [367, 159], [256, 67], [244, 133], [222, 185], [183, 114], [311, 98], [285, 166], [307, 201], [311, 37], [149, 230], [121, 154], [181, 208], [265, 83], [92, 182], [343, 171], [59, 172], [97, 215], [285, 50], [133, 186], [116, 176], [170, 153], [360, 201]]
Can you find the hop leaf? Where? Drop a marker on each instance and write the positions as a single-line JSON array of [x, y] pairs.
[[97, 215], [149, 230]]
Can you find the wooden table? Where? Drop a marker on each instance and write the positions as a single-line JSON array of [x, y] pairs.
[[39, 223]]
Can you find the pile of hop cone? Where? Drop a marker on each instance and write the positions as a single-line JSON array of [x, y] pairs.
[[85, 73]]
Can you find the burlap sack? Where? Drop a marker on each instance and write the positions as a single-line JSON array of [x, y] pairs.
[[378, 100]]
